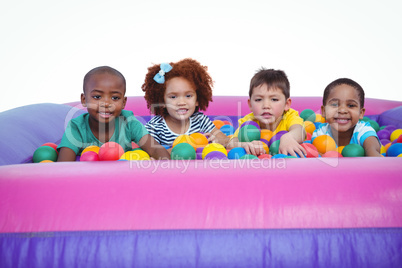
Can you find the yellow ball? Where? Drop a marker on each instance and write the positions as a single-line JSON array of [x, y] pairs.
[[186, 139], [383, 149], [395, 134], [135, 155], [339, 149], [400, 155], [319, 118], [213, 147], [46, 161], [92, 148], [309, 126]]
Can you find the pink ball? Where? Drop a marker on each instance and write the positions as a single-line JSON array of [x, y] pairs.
[[110, 151], [89, 156]]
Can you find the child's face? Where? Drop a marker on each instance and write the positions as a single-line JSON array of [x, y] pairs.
[[180, 98], [268, 105], [104, 97], [342, 109]]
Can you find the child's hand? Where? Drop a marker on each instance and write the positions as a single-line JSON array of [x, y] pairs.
[[288, 145], [255, 147], [211, 137]]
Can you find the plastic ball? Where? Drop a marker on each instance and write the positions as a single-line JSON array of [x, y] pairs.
[[213, 147], [277, 136], [198, 153], [249, 156], [311, 151], [399, 139], [44, 153], [218, 123], [383, 134], [319, 118], [92, 148], [384, 141], [183, 151], [308, 115], [46, 161], [266, 134], [279, 156], [51, 144], [395, 134], [184, 139], [265, 146], [249, 133], [251, 123], [110, 151], [324, 143], [339, 149], [227, 129], [227, 122], [353, 150], [394, 150], [332, 154], [264, 156], [215, 155], [135, 155], [274, 148], [309, 127], [199, 139], [236, 153], [308, 136], [374, 125], [89, 156]]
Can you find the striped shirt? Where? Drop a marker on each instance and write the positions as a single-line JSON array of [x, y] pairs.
[[158, 128], [362, 131]]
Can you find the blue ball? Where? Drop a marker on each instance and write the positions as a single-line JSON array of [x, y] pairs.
[[279, 156], [227, 130], [236, 153], [394, 150]]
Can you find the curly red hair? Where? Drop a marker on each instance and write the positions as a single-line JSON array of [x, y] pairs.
[[189, 69]]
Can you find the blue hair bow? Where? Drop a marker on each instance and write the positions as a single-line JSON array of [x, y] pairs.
[[160, 77]]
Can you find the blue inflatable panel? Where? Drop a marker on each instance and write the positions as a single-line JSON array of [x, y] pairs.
[[365, 247]]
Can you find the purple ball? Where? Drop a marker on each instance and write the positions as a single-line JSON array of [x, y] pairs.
[[390, 128], [265, 141], [383, 134], [198, 153], [277, 136], [251, 123], [385, 141], [215, 155]]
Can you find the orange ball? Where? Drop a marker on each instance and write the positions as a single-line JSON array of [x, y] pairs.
[[266, 134], [319, 118], [218, 123], [199, 139], [309, 126], [92, 148], [386, 146], [265, 146], [324, 143], [340, 148]]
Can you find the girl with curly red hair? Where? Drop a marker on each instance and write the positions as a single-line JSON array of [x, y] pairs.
[[176, 93]]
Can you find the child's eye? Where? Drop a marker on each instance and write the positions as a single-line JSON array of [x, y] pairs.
[[172, 97], [189, 96], [257, 100], [96, 97], [275, 99], [115, 98], [333, 104], [352, 105]]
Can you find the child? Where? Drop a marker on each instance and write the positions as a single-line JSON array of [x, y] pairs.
[[175, 93], [104, 97], [270, 106], [343, 107]]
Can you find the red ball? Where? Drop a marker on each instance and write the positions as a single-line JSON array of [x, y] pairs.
[[110, 151], [264, 156], [332, 154], [89, 156], [312, 152], [399, 139]]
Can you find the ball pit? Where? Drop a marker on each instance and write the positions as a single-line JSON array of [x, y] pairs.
[[339, 211]]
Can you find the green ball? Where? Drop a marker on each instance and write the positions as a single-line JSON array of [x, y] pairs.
[[365, 118], [44, 153], [308, 115], [183, 151], [374, 125], [249, 133], [274, 148], [353, 150], [249, 156]]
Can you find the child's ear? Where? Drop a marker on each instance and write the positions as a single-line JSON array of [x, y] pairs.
[[362, 111], [323, 111], [124, 102], [287, 104], [83, 102], [249, 103]]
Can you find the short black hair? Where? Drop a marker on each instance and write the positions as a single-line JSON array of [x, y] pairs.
[[103, 69], [344, 81], [273, 79]]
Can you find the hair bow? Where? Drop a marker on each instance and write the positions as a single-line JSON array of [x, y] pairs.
[[160, 77]]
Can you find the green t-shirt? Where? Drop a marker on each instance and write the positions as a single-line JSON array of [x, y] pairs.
[[78, 134]]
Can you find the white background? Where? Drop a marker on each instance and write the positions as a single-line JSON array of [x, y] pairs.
[[48, 46]]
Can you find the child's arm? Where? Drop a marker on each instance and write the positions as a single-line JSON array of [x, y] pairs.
[[254, 147], [372, 146], [66, 154], [217, 136], [290, 142], [153, 148]]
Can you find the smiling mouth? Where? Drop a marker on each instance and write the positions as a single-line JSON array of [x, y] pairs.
[[342, 120], [105, 114], [182, 111]]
